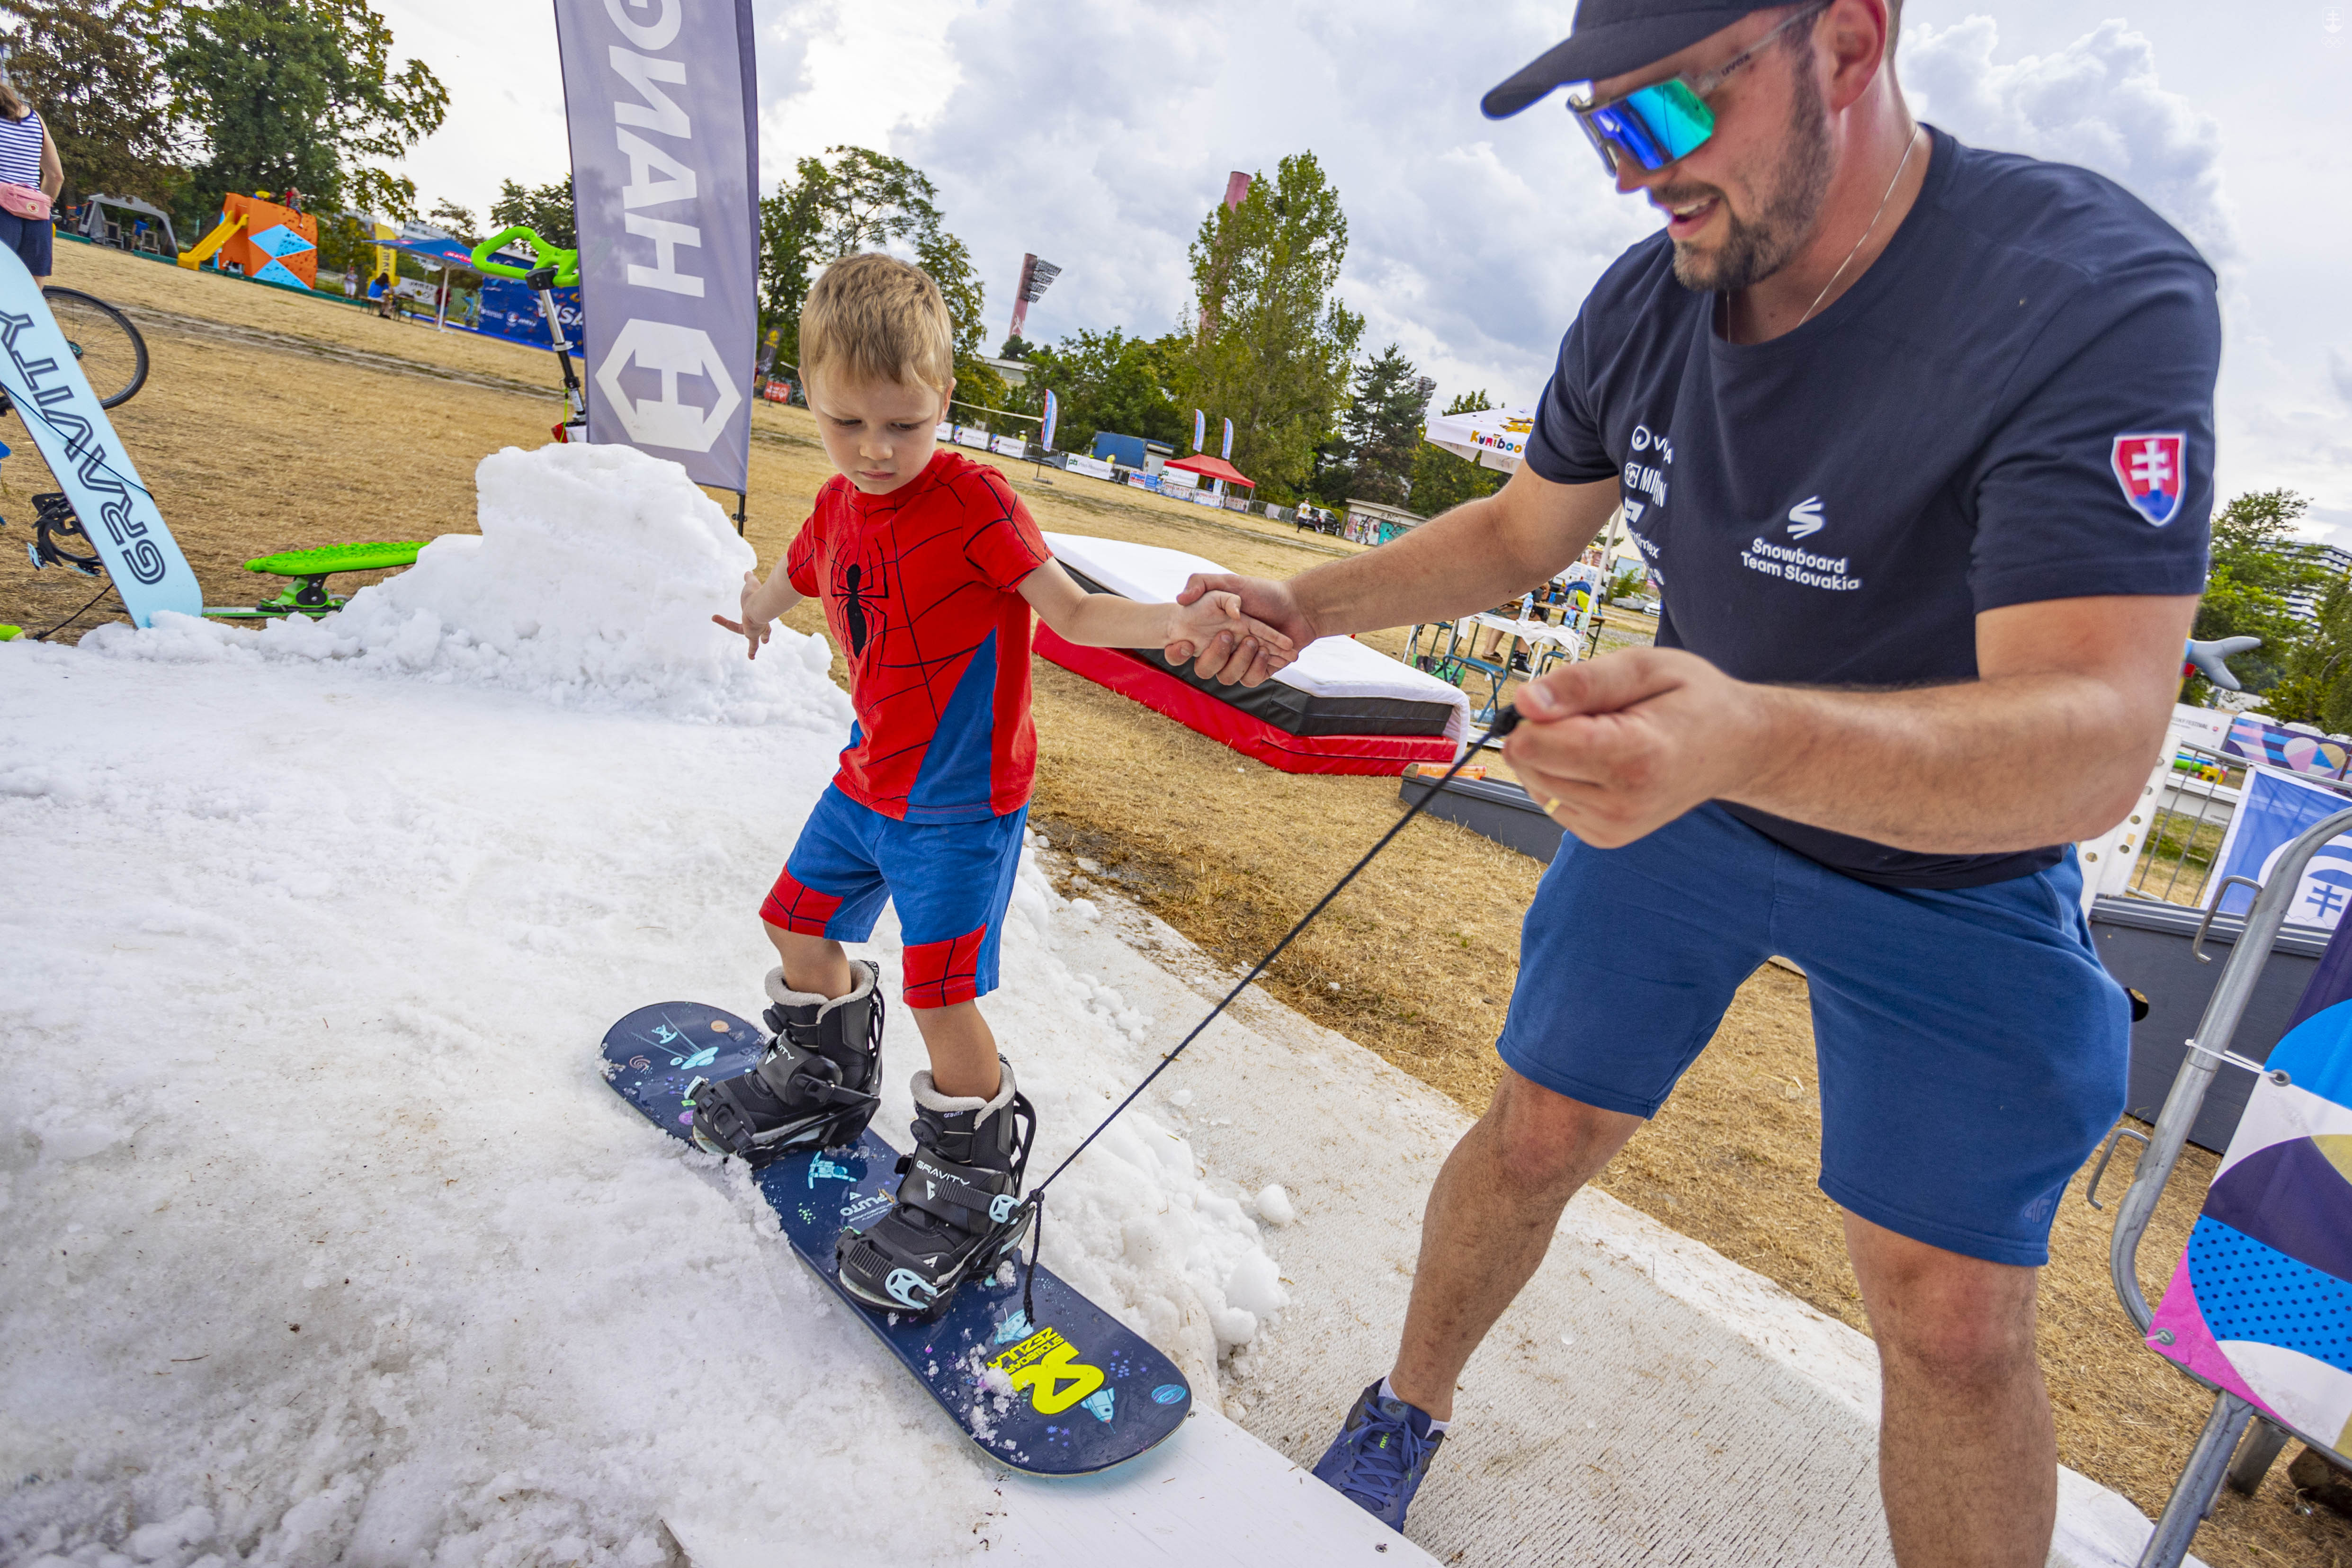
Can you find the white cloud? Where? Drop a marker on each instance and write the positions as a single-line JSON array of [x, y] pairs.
[[1098, 135], [2339, 371], [2096, 102]]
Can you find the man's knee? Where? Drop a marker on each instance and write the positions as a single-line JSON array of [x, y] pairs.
[[1955, 1320], [1543, 1145]]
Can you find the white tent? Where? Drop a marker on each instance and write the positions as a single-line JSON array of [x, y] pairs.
[[1495, 437]]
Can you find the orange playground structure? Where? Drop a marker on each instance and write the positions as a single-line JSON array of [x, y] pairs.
[[263, 241]]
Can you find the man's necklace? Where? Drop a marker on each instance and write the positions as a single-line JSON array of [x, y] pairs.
[[1881, 213]]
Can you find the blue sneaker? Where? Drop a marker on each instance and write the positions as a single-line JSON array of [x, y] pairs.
[[1380, 1455]]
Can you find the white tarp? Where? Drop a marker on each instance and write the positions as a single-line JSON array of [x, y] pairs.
[[1329, 666], [1492, 437]]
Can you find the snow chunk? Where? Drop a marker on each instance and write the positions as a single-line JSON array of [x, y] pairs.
[[1274, 1205], [592, 585]]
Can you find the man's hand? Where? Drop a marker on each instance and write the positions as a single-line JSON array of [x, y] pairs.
[[1229, 657], [1616, 747], [1213, 617], [754, 628]]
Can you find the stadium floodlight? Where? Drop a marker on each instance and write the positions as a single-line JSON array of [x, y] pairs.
[[1036, 277]]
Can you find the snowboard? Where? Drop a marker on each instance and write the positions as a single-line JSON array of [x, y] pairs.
[[1073, 1393], [42, 378]]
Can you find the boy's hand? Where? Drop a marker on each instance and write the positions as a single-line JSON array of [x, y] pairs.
[[1193, 626], [753, 628]]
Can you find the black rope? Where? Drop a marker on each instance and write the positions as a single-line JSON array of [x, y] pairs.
[[102, 592], [19, 404], [1506, 720]]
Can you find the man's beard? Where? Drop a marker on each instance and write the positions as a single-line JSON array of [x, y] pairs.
[[1755, 249]]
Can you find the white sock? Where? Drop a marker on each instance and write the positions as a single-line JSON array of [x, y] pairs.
[[1435, 1426]]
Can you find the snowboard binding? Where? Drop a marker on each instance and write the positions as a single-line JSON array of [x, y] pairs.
[[816, 1087], [957, 1212]]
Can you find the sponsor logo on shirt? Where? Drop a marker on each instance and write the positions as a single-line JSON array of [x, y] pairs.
[[1643, 478], [2152, 468]]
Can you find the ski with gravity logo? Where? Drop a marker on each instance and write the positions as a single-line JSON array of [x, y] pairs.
[[1070, 1392]]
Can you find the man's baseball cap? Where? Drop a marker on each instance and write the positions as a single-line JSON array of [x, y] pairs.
[[1609, 38]]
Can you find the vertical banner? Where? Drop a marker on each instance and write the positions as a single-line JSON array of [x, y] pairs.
[[661, 101], [1053, 415], [1200, 430], [1228, 453]]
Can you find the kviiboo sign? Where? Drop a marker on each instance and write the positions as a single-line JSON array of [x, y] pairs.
[[662, 100]]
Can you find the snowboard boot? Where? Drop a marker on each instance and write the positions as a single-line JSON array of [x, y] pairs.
[[958, 1211], [816, 1086]]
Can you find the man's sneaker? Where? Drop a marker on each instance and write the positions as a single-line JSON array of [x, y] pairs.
[[1380, 1455]]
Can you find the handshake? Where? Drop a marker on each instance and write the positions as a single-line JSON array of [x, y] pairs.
[[1209, 627]]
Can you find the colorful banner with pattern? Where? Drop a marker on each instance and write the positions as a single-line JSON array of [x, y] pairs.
[[2261, 1302]]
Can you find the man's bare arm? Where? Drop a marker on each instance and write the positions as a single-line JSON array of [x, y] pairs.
[[2051, 743], [1471, 558]]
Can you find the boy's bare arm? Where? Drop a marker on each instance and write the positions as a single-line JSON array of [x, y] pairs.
[[763, 603], [1108, 620]]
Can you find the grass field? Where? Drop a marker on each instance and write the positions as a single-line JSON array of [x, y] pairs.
[[273, 422]]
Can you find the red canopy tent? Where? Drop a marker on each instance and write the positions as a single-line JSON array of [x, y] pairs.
[[1213, 467]]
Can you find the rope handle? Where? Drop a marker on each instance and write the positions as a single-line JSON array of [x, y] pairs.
[[1506, 719]]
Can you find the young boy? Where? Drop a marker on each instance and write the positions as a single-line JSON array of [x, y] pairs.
[[928, 567]]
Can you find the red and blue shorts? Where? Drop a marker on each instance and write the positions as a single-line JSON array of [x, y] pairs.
[[951, 882]]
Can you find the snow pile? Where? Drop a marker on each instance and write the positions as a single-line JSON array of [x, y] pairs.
[[591, 584], [321, 1238]]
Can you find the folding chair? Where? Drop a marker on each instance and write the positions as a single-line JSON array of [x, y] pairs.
[[2259, 1308]]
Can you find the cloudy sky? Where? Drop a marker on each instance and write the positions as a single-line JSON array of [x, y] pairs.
[[1096, 133]]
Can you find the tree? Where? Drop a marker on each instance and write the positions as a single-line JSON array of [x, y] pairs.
[[1442, 481], [455, 221], [1108, 381], [2257, 563], [1383, 427], [545, 210], [300, 93], [93, 69], [854, 199], [1274, 344]]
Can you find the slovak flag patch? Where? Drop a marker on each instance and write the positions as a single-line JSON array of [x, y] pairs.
[[2151, 470]]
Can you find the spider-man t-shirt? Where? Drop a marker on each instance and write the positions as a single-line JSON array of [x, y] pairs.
[[919, 592]]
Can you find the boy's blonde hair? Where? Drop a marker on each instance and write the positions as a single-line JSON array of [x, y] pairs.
[[874, 318]]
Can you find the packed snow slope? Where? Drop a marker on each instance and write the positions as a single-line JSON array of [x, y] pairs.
[[320, 1237]]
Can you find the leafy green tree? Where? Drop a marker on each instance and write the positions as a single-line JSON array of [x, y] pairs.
[[1274, 344], [1382, 426], [545, 210], [457, 222], [1108, 381], [1441, 481], [93, 69], [2257, 561], [299, 93], [854, 199]]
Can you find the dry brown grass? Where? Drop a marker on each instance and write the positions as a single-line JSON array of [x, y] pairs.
[[272, 422]]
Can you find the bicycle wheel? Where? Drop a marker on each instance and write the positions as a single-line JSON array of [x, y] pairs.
[[113, 355]]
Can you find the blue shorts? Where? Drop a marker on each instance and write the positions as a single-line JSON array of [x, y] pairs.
[[951, 882], [32, 239], [1972, 1047]]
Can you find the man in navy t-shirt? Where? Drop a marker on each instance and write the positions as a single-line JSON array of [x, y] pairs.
[[1918, 439]]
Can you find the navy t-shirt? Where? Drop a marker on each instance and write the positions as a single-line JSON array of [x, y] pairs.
[[2014, 403]]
